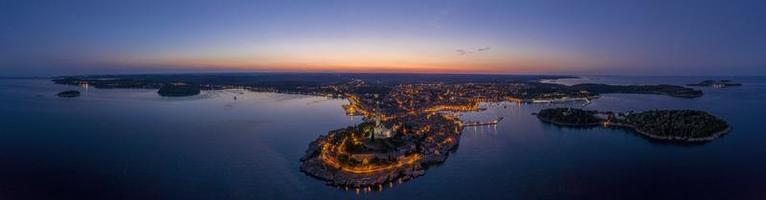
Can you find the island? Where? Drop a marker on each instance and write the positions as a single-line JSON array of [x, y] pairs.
[[69, 94], [715, 84], [668, 125], [410, 121], [669, 90], [178, 90]]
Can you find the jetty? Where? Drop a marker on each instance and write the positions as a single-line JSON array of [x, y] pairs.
[[482, 123]]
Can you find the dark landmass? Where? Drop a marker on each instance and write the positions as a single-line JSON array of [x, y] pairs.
[[715, 84], [673, 125], [570, 117], [292, 79], [678, 124], [178, 90], [669, 90], [522, 87], [69, 94]]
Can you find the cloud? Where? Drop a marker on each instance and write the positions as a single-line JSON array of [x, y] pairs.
[[464, 52]]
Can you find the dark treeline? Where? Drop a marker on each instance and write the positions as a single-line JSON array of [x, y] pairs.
[[178, 90], [569, 116], [661, 124], [670, 90], [679, 123]]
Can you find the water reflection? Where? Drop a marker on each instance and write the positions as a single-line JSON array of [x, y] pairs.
[[200, 149]]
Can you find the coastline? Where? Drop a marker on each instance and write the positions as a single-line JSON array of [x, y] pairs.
[[640, 132], [322, 162], [673, 138]]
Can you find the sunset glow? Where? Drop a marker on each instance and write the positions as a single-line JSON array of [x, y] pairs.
[[383, 36], [382, 99]]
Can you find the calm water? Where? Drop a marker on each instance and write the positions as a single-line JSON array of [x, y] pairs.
[[131, 144]]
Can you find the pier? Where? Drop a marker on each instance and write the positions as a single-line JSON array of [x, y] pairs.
[[482, 123]]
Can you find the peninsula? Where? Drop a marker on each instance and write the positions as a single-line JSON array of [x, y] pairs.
[[671, 125], [377, 152], [409, 119]]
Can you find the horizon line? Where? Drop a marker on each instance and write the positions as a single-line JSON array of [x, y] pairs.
[[352, 72]]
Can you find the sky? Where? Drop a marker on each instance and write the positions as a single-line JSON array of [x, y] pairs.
[[646, 37]]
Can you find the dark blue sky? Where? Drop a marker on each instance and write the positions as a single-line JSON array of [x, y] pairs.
[[549, 37]]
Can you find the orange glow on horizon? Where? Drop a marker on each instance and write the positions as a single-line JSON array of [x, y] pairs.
[[359, 66], [469, 69], [363, 55]]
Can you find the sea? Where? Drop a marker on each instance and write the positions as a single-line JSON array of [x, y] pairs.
[[237, 144]]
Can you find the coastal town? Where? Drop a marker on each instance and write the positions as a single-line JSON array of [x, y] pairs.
[[409, 124], [517, 88]]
